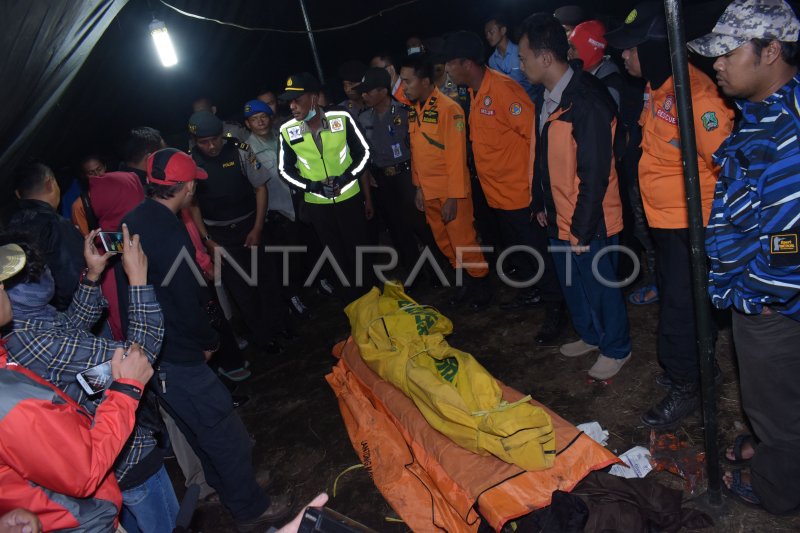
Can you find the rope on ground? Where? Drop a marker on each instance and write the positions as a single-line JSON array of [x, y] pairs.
[[278, 30], [346, 470]]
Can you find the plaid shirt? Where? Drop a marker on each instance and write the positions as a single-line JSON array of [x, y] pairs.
[[59, 349]]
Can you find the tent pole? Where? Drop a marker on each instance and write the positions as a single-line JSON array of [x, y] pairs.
[[312, 41], [705, 345]]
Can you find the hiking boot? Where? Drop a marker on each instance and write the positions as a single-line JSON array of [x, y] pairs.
[[524, 298], [681, 400], [481, 293], [577, 348], [279, 507], [607, 367], [553, 325]]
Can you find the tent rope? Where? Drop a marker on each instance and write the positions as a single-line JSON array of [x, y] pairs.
[[304, 32]]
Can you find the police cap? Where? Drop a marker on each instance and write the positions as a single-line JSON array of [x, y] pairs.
[[299, 84], [205, 124], [375, 78]]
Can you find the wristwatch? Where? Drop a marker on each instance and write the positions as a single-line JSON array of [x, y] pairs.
[[86, 281]]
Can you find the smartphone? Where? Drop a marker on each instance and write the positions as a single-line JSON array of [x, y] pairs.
[[325, 520], [112, 241], [96, 379]]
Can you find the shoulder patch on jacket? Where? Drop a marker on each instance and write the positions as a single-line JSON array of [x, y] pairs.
[[710, 121]]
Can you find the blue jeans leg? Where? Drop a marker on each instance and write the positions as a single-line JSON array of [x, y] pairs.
[[150, 507], [567, 270], [601, 313]]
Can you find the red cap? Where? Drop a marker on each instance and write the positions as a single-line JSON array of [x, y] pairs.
[[589, 41], [170, 166]]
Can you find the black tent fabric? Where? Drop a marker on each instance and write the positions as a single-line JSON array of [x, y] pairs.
[[44, 46]]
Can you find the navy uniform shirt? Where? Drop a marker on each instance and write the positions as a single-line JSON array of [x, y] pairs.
[[387, 135]]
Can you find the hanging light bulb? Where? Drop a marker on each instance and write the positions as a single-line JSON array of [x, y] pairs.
[[163, 43]]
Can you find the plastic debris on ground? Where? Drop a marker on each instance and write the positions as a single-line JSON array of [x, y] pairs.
[[595, 432], [680, 458], [638, 461]]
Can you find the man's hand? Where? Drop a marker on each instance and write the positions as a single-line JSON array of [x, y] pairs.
[[449, 210], [253, 238], [134, 260], [294, 525], [316, 187], [419, 201], [24, 521], [541, 218], [578, 249], [95, 262], [135, 366]]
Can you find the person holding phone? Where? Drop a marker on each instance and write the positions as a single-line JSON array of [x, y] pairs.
[[57, 346], [67, 451]]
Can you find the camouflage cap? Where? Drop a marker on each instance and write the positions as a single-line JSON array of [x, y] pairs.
[[749, 19]]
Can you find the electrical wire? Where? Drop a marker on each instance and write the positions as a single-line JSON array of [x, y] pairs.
[[333, 28]]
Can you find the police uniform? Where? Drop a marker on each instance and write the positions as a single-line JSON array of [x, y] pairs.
[[390, 166], [309, 162], [227, 202]]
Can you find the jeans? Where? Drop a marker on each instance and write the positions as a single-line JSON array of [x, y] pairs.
[[598, 312], [151, 507]]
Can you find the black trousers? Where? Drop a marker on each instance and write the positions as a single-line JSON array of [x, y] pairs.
[[261, 306], [517, 228], [677, 326], [769, 373], [394, 200], [203, 410], [342, 228], [486, 223]]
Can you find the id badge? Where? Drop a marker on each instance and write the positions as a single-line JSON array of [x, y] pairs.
[[396, 151]]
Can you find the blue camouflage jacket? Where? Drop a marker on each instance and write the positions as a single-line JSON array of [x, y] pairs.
[[752, 235]]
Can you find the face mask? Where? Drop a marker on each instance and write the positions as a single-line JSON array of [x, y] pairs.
[[312, 112], [414, 50]]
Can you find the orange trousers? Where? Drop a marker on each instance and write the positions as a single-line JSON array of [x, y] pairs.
[[458, 234]]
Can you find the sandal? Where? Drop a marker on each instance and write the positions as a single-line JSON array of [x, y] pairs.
[[736, 448], [639, 296], [239, 374], [741, 492]]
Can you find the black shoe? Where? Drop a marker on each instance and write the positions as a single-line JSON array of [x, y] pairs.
[[239, 400], [279, 507], [271, 347], [553, 325], [681, 400], [460, 295], [289, 334], [663, 379], [298, 308], [481, 293], [524, 298]]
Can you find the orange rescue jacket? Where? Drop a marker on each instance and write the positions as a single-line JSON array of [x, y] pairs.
[[661, 165], [500, 124], [439, 148]]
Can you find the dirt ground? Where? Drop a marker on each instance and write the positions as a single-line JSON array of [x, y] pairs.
[[302, 442]]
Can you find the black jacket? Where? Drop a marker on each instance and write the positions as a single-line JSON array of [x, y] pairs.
[[59, 241], [589, 108], [187, 330]]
